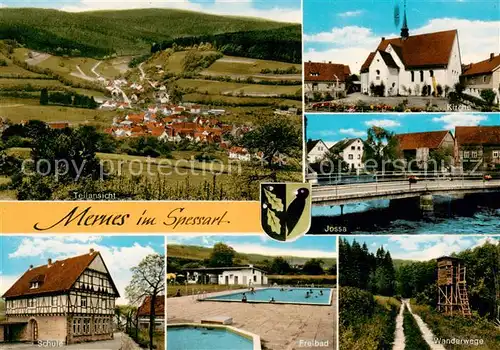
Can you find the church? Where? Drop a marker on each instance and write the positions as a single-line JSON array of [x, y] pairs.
[[65, 301], [419, 65]]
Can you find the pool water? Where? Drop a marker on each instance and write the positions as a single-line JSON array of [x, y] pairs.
[[205, 338], [291, 295]]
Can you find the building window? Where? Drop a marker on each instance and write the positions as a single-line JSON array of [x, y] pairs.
[[359, 156], [466, 154], [496, 154], [378, 72], [474, 154], [86, 326], [255, 278], [54, 301], [412, 73], [104, 304], [484, 78], [34, 285], [431, 72], [31, 302], [351, 156], [421, 76], [359, 148], [83, 301], [353, 148]]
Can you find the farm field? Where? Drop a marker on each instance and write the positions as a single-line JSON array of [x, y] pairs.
[[229, 88], [230, 65], [17, 109], [67, 66], [12, 70], [223, 101]]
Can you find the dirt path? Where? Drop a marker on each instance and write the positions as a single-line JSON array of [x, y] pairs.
[[94, 69], [82, 75], [143, 75], [427, 334], [399, 335], [236, 60]]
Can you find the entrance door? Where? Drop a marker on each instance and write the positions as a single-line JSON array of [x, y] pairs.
[[236, 280], [227, 279], [34, 330]]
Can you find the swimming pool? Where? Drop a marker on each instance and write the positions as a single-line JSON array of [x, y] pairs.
[[207, 337], [317, 296]]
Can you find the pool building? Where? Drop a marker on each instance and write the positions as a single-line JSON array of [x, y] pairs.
[[235, 275]]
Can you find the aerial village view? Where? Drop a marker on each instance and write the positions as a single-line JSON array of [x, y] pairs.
[[251, 293], [148, 103], [401, 56], [74, 292]]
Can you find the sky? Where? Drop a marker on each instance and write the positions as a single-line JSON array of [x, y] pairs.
[[336, 127], [423, 247], [277, 10], [346, 31], [305, 246], [120, 254]]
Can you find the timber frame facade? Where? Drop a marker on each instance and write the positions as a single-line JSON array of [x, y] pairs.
[[68, 301]]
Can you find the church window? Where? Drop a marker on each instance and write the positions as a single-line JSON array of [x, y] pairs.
[[431, 72], [421, 76], [412, 76]]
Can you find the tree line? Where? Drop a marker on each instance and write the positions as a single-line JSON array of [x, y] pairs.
[[223, 255], [281, 44], [418, 279], [67, 99]]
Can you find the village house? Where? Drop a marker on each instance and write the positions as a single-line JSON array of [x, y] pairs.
[[413, 64], [351, 151], [325, 78], [68, 301], [239, 153], [483, 75], [145, 309], [419, 146], [477, 144], [316, 151], [241, 275]]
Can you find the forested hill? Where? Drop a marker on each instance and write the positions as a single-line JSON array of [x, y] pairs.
[[190, 252], [125, 32]]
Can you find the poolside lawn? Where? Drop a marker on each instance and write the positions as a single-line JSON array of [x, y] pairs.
[[193, 289]]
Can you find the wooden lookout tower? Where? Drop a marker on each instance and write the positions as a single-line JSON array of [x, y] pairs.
[[452, 288]]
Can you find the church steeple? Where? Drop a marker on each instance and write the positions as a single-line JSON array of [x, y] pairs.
[[405, 33]]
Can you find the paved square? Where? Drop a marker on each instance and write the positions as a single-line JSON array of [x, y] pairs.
[[280, 326]]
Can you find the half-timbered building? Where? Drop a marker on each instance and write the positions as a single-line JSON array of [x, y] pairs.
[[66, 301]]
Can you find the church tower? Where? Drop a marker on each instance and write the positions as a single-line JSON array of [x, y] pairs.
[[405, 33]]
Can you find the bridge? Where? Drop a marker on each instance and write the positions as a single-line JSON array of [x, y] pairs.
[[352, 189]]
